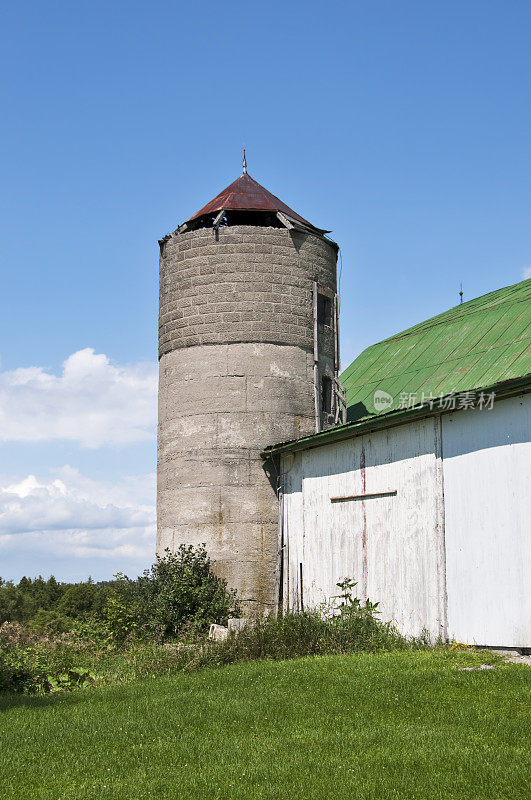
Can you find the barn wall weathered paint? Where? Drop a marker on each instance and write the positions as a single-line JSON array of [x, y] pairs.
[[450, 553], [393, 546], [487, 483]]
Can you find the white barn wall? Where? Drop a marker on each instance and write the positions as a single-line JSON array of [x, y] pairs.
[[292, 530], [487, 482], [393, 546]]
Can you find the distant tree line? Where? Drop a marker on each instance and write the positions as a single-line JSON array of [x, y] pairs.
[[38, 600]]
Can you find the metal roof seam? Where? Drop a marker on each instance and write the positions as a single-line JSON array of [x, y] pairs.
[[461, 351]]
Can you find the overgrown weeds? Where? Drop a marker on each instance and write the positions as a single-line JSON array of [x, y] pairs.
[[157, 624], [48, 629], [40, 664]]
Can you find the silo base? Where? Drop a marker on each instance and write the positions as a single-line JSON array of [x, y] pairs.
[[219, 407]]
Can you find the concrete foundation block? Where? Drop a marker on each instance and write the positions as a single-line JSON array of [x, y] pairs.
[[237, 624], [218, 633]]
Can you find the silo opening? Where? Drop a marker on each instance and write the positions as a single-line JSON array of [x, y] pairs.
[[229, 218], [324, 309]]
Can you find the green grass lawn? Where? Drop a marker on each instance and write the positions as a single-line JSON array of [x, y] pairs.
[[391, 725]]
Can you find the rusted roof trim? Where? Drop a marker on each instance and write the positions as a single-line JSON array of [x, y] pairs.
[[503, 389]]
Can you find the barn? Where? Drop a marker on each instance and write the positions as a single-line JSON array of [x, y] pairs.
[[423, 496]]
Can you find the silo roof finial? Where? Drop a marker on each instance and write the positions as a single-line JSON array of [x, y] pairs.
[[244, 163]]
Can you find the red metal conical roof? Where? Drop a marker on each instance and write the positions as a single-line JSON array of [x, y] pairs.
[[246, 194]]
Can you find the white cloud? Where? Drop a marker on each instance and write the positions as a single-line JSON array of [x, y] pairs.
[[526, 273], [92, 402], [73, 517]]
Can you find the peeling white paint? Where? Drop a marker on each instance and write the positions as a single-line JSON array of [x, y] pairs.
[[453, 542], [388, 544]]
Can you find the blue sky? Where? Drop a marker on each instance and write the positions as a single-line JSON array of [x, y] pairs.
[[402, 126]]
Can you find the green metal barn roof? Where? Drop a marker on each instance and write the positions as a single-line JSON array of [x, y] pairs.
[[481, 345], [469, 347]]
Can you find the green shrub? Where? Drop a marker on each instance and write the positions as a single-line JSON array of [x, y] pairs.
[[178, 596], [122, 612], [50, 621], [27, 669], [36, 662], [73, 678]]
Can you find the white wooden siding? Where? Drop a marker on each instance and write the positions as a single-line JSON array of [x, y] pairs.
[[450, 553], [487, 481], [392, 545]]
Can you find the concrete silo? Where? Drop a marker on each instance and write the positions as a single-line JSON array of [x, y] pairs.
[[249, 356]]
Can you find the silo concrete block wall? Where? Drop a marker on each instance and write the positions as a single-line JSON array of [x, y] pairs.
[[236, 375]]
